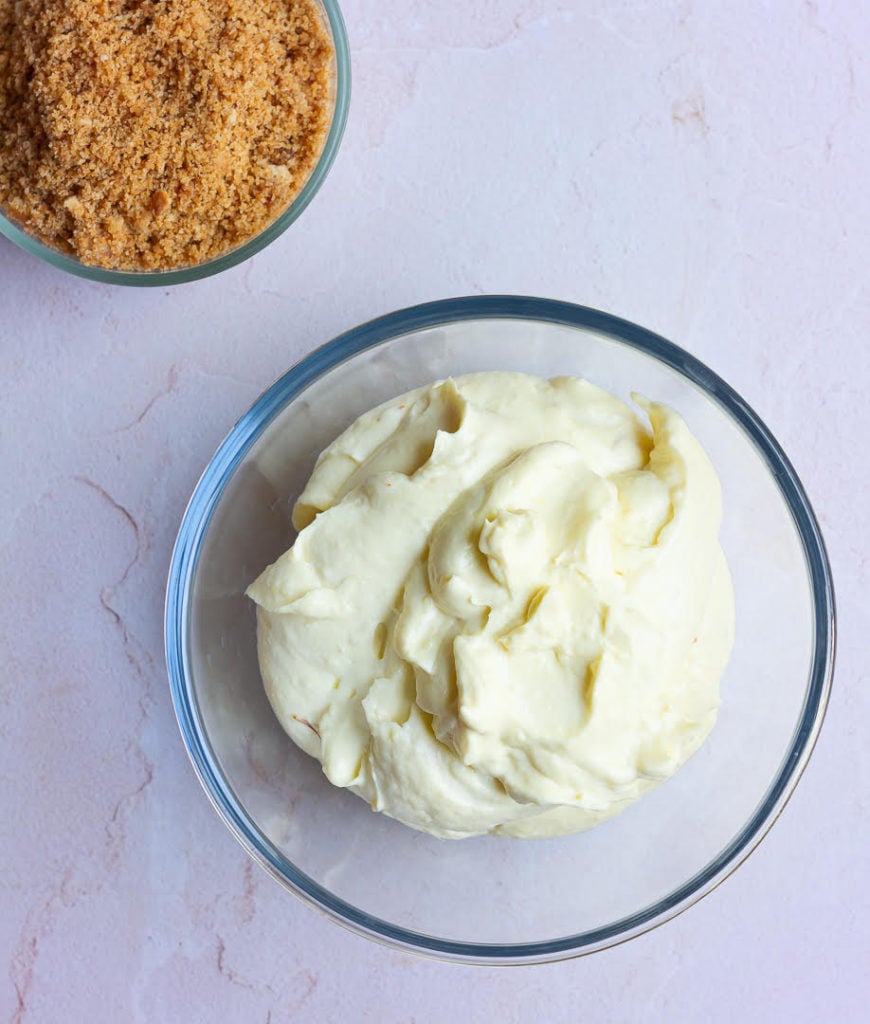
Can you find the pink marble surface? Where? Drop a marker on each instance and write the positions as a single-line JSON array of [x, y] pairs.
[[699, 168]]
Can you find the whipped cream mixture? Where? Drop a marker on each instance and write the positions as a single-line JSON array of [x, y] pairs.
[[506, 610]]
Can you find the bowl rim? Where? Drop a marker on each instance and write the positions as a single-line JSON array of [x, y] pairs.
[[249, 428], [182, 275]]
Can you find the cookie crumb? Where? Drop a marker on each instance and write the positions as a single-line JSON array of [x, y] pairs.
[[157, 134], [159, 202]]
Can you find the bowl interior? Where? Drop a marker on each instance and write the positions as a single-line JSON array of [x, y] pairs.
[[578, 891], [340, 100]]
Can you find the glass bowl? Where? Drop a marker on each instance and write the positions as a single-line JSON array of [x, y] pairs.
[[496, 900], [157, 278]]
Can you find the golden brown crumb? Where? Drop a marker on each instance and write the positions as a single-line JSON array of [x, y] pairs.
[[152, 134]]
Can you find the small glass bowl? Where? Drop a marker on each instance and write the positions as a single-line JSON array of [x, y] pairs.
[[181, 275], [492, 900]]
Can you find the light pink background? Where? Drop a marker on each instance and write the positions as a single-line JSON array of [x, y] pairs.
[[700, 168]]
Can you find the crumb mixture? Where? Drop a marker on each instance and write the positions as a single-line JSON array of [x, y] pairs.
[[152, 134]]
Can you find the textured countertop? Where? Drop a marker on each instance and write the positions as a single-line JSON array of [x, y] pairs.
[[699, 168]]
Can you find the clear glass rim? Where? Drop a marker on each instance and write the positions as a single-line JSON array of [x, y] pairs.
[[208, 492], [182, 275]]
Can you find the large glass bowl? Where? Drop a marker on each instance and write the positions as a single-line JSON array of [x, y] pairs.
[[495, 900], [340, 99]]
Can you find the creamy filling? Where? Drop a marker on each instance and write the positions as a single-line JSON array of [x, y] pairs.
[[506, 610]]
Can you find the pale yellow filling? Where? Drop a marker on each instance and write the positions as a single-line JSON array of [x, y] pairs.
[[507, 609]]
